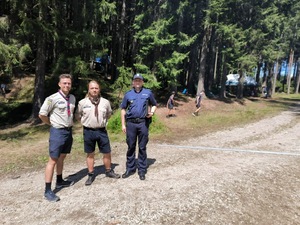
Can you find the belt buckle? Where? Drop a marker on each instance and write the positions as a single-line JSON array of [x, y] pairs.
[[138, 120]]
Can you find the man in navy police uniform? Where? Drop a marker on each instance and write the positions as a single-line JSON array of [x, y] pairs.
[[137, 108]]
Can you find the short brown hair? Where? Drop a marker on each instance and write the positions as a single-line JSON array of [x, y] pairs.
[[65, 75]]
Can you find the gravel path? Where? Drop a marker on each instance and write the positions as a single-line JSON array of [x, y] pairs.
[[238, 176]]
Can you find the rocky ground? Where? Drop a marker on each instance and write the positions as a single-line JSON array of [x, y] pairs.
[[249, 174]]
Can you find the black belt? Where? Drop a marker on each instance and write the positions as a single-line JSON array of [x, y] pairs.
[[136, 120], [89, 128], [65, 128]]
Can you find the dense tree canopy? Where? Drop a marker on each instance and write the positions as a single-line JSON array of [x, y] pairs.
[[175, 44]]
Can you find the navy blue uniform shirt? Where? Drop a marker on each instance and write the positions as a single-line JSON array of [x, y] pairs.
[[137, 103]]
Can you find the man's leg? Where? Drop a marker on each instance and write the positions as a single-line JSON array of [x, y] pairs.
[[60, 182], [49, 194], [60, 164], [143, 138], [107, 161], [197, 110], [169, 111], [109, 172], [131, 136], [50, 170], [90, 161]]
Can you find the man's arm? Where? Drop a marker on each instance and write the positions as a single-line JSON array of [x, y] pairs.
[[78, 112], [109, 111], [123, 113], [45, 119], [152, 111]]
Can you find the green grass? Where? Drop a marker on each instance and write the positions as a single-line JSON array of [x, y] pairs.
[[157, 127], [285, 96], [232, 114], [114, 127], [26, 148]]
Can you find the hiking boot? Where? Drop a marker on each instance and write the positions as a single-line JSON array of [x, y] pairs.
[[128, 174], [50, 196], [64, 183], [112, 174], [142, 176], [90, 180], [193, 114]]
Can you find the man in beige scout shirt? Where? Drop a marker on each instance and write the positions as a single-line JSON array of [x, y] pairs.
[[57, 111], [94, 112]]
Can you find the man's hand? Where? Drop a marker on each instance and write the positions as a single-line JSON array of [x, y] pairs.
[[124, 129], [150, 114]]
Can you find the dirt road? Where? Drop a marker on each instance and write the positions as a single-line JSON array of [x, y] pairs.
[[246, 175]]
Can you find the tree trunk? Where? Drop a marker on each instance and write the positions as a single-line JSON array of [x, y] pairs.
[[216, 63], [203, 58], [192, 67], [120, 33], [223, 77], [297, 78], [240, 88], [39, 83], [290, 71], [275, 77], [257, 76]]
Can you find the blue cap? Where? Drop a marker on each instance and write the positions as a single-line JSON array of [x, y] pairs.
[[138, 76]]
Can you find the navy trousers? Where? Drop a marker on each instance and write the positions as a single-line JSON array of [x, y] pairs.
[[134, 132]]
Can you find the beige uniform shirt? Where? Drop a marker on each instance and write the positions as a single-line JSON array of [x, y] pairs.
[[86, 112], [56, 107]]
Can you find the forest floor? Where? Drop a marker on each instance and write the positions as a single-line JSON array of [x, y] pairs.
[[246, 174]]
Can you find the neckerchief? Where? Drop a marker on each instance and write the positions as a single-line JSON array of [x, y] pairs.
[[67, 98], [96, 103]]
